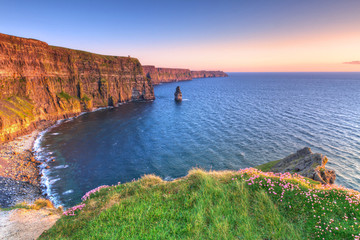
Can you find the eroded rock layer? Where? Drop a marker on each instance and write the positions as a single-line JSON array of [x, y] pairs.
[[39, 82]]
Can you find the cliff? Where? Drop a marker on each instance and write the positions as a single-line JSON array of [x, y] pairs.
[[40, 82], [207, 74], [163, 75]]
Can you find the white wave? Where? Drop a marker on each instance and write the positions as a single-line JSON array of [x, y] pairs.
[[82, 113], [54, 134], [100, 108], [68, 192], [52, 181], [41, 156], [61, 167], [168, 178]]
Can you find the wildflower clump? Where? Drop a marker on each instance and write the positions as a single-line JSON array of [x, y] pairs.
[[71, 211], [330, 211], [87, 195]]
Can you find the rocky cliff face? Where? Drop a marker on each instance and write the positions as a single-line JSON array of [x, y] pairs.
[[40, 82], [163, 75]]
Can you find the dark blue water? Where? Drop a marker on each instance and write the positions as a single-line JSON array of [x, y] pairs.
[[223, 123]]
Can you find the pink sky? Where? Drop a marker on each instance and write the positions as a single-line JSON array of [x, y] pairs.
[[324, 51]]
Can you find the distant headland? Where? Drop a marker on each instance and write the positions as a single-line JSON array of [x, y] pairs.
[[162, 75]]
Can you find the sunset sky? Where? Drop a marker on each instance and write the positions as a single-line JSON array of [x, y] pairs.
[[244, 36]]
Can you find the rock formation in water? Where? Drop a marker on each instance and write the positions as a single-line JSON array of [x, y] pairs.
[[307, 164], [178, 94], [163, 75], [40, 82]]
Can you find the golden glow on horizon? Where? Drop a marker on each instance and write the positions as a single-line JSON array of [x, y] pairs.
[[296, 53]]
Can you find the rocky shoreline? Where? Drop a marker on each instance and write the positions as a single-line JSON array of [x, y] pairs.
[[19, 170]]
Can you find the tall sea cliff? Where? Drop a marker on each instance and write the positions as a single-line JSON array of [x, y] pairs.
[[39, 82], [162, 75]]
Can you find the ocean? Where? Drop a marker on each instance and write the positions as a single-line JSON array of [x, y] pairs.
[[222, 124]]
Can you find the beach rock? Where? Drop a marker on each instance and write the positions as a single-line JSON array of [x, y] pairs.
[[178, 94], [307, 164]]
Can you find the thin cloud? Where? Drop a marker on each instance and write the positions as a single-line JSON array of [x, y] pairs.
[[352, 62]]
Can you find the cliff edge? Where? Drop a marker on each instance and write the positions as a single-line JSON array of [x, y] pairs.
[[39, 82]]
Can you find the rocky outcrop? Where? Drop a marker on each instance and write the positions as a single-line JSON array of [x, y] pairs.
[[39, 83], [307, 164], [207, 74], [164, 75], [178, 94]]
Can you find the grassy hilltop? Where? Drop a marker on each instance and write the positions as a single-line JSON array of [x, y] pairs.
[[248, 204]]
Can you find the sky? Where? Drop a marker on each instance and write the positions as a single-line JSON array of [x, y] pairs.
[[228, 35]]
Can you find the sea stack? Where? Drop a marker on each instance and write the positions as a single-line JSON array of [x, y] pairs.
[[178, 94]]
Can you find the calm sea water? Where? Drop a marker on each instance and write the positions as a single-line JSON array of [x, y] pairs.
[[223, 123]]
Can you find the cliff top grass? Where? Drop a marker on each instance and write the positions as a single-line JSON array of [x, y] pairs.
[[248, 204], [267, 166]]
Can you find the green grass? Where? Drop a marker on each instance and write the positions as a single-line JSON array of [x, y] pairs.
[[64, 95], [85, 98], [267, 166], [247, 204]]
